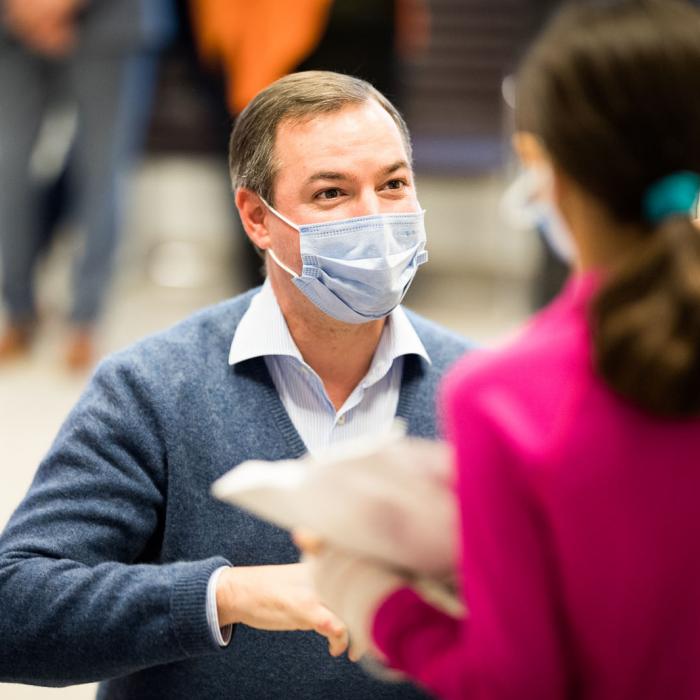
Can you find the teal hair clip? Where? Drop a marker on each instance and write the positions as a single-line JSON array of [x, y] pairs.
[[673, 194]]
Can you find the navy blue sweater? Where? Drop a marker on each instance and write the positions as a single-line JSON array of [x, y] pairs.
[[104, 566]]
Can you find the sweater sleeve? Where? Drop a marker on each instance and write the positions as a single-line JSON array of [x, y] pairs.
[[79, 602], [510, 644]]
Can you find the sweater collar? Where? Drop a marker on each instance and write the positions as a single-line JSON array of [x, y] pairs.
[[398, 338]]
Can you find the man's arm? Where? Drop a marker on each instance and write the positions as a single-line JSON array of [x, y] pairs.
[[77, 604]]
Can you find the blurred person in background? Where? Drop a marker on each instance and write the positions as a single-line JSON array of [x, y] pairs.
[[99, 57], [577, 443], [118, 565], [254, 45]]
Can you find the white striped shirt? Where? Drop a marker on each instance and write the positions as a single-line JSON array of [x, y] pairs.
[[371, 407]]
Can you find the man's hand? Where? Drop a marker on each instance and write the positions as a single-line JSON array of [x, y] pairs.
[[352, 586], [45, 26], [277, 598]]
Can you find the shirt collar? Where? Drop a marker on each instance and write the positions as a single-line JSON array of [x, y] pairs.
[[263, 332]]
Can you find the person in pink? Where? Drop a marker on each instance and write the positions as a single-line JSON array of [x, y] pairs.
[[577, 444]]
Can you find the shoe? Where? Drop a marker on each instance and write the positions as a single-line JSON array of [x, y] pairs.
[[16, 341], [80, 351]]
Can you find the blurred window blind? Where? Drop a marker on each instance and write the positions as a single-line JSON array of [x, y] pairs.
[[454, 104]]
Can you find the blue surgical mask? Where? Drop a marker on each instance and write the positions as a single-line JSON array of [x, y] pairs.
[[527, 204], [358, 270]]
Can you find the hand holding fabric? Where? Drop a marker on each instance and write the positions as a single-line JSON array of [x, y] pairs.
[[277, 597], [352, 587]]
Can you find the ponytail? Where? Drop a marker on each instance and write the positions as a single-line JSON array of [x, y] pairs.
[[646, 323]]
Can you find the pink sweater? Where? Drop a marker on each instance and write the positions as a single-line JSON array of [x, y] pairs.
[[580, 533]]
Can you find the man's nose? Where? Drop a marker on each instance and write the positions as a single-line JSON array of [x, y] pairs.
[[367, 203]]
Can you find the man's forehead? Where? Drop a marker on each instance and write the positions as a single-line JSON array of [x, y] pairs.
[[318, 144]]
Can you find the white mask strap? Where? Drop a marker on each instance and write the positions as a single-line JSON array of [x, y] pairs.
[[521, 202], [278, 215], [281, 264]]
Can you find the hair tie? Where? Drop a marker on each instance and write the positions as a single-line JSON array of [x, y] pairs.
[[673, 194]]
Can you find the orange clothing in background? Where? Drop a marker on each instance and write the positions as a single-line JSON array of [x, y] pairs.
[[255, 43]]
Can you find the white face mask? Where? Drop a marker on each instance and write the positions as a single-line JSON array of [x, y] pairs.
[[527, 204], [358, 270]]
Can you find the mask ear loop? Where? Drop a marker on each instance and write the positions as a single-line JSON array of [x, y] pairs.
[[520, 204], [282, 217], [272, 253], [279, 263]]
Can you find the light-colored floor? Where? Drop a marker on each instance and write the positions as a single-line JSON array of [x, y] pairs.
[[167, 273]]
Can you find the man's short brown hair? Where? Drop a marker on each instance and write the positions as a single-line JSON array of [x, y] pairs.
[[298, 97]]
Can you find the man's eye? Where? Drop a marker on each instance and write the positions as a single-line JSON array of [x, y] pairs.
[[332, 193], [396, 184]]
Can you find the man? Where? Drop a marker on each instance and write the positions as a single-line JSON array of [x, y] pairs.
[[117, 563]]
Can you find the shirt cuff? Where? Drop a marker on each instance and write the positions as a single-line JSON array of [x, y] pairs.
[[221, 635]]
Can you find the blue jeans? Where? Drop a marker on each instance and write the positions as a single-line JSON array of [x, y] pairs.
[[112, 94]]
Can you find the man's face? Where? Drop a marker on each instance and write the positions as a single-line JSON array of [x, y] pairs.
[[336, 166]]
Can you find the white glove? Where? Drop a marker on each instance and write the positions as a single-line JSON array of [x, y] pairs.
[[353, 588], [389, 498]]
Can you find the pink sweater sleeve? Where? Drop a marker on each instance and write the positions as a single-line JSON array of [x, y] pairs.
[[509, 645]]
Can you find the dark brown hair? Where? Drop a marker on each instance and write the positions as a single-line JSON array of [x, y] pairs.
[[612, 88]]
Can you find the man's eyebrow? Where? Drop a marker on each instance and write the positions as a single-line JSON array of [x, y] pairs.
[[396, 166], [327, 175], [334, 175]]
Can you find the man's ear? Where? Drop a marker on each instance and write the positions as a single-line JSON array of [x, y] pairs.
[[254, 215]]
